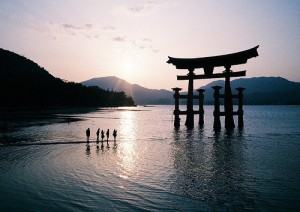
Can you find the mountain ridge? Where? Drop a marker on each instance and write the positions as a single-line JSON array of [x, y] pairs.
[[259, 90], [141, 95]]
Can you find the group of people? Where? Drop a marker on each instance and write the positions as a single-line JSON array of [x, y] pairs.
[[88, 133]]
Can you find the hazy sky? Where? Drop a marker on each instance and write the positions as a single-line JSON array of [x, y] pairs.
[[81, 39]]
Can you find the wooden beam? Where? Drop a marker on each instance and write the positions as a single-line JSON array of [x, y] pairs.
[[209, 63], [211, 76], [182, 96], [233, 95]]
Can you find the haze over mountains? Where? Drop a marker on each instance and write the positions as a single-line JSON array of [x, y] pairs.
[[259, 90], [141, 95]]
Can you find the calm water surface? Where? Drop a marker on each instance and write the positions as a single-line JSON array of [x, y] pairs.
[[154, 167]]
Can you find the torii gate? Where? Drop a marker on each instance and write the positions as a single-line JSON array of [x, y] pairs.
[[208, 64]]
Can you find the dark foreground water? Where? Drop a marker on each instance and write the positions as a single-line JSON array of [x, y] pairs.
[[152, 166]]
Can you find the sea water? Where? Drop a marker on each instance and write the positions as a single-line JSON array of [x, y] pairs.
[[153, 166]]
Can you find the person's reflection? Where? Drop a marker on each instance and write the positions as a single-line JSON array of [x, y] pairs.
[[102, 146], [97, 149], [88, 150], [115, 145]]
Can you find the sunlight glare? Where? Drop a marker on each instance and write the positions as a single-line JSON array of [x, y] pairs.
[[128, 67], [127, 131]]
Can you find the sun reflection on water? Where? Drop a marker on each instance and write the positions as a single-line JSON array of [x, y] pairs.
[[127, 125], [127, 151]]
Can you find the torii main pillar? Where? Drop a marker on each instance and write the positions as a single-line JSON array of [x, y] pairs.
[[228, 102], [189, 103]]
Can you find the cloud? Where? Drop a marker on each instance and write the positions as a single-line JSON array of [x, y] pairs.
[[55, 30], [85, 30], [134, 45], [146, 40], [108, 28], [90, 31], [144, 44], [119, 39], [143, 9], [47, 28], [138, 9], [74, 27]]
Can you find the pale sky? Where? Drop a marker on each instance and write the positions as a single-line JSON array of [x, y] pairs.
[[81, 39]]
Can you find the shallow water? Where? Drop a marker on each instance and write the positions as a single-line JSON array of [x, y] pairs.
[[152, 166]]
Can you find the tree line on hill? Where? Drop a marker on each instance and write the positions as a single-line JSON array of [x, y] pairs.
[[24, 84]]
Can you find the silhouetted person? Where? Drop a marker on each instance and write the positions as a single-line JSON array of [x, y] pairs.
[[107, 134], [107, 137], [97, 133], [88, 133], [102, 135], [115, 134]]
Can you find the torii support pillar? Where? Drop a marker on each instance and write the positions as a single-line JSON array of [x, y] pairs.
[[189, 104], [240, 107], [201, 109], [217, 122], [228, 102], [176, 111]]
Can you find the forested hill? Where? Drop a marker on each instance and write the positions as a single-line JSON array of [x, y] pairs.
[[24, 84]]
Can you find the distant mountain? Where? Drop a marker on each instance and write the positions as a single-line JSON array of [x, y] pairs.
[[24, 84], [141, 95], [261, 90]]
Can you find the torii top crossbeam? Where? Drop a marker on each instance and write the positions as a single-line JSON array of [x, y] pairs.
[[208, 63]]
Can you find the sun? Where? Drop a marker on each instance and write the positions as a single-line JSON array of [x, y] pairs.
[[128, 67]]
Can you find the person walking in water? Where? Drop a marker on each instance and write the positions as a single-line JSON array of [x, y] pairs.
[[115, 134], [102, 135], [107, 136], [88, 133], [97, 133]]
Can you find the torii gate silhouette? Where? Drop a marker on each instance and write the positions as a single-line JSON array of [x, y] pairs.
[[208, 64]]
